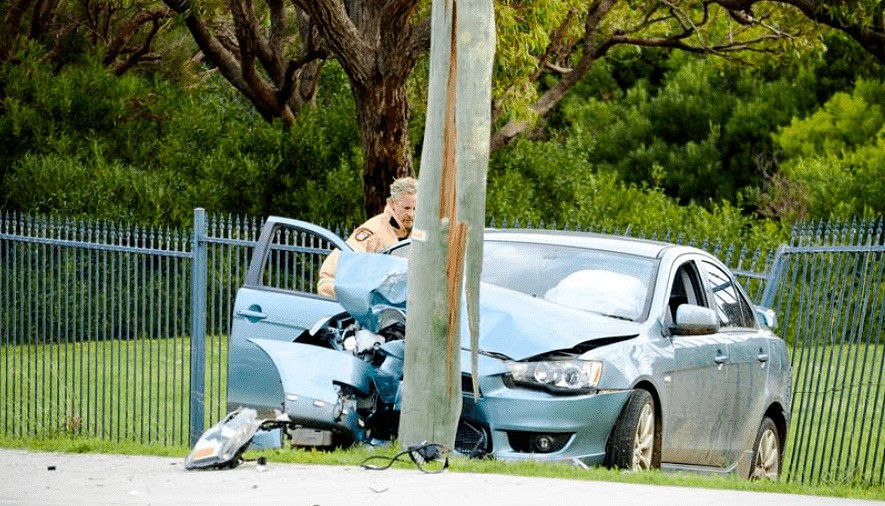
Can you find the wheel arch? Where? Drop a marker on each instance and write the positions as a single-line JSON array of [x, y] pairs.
[[776, 412], [649, 387]]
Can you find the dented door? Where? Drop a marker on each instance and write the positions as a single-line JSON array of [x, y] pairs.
[[277, 301]]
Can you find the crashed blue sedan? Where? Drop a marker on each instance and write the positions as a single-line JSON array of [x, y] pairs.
[[593, 349]]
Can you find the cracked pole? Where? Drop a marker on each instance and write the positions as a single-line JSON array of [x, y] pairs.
[[447, 239]]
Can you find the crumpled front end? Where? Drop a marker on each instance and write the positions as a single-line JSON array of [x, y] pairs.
[[335, 391], [342, 379], [515, 423]]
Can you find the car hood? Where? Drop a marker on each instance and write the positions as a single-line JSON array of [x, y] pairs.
[[512, 324]]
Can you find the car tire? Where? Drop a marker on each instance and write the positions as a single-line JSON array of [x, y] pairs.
[[633, 443], [767, 461]]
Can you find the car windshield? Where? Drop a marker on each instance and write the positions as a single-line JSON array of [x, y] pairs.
[[610, 283], [605, 282]]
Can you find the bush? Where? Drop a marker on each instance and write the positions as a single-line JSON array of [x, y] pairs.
[[549, 184], [833, 165], [53, 184], [703, 133], [85, 143]]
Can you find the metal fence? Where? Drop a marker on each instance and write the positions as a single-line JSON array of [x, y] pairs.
[[828, 290], [120, 332], [102, 325]]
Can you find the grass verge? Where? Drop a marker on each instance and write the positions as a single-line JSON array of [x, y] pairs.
[[356, 455]]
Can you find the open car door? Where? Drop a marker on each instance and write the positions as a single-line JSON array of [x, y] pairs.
[[277, 302]]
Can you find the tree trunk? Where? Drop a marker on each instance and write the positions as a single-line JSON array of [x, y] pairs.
[[383, 115]]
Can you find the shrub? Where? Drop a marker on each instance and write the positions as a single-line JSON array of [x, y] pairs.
[[83, 142], [549, 184], [833, 165]]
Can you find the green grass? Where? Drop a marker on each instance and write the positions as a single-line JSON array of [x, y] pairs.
[[836, 434], [136, 390]]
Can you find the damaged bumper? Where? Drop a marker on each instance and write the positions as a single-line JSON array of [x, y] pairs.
[[339, 394], [526, 424], [329, 390]]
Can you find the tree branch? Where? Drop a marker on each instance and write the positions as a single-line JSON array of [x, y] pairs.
[[592, 49], [554, 95], [127, 31], [136, 56], [12, 26], [343, 38], [871, 37]]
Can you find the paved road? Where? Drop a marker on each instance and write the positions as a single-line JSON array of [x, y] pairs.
[[29, 478]]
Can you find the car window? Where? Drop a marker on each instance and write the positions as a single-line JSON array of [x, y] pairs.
[[294, 259], [605, 282], [686, 288], [733, 309]]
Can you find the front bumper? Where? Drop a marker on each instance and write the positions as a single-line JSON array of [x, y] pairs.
[[513, 415]]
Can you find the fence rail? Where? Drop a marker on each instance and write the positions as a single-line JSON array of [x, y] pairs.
[[117, 331], [828, 289], [120, 332]]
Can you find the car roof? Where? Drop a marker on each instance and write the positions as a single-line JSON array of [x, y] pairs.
[[621, 244]]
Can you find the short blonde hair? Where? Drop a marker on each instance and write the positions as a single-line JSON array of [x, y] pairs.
[[403, 185]]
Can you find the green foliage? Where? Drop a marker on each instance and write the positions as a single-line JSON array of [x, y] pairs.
[[83, 142], [644, 126], [523, 32], [844, 123], [833, 165], [698, 135], [843, 62], [66, 186], [551, 184]]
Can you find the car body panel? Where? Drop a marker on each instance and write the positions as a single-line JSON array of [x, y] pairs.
[[588, 419], [697, 432], [271, 315]]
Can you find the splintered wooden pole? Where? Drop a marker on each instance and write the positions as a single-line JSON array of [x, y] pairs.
[[449, 223]]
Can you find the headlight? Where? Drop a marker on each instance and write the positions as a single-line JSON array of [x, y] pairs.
[[565, 376]]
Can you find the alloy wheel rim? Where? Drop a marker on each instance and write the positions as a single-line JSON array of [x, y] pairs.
[[643, 443], [767, 456]]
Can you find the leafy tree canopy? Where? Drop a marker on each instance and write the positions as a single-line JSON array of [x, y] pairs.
[[832, 159]]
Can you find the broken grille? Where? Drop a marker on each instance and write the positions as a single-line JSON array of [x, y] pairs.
[[472, 439]]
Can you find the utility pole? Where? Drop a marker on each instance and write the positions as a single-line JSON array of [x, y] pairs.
[[448, 233]]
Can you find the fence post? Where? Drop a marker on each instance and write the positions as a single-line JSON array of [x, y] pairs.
[[773, 277], [198, 325]]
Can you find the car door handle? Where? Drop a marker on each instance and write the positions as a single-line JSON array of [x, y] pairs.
[[721, 359], [763, 357], [252, 315]]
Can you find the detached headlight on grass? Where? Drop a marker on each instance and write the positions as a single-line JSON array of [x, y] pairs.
[[562, 376]]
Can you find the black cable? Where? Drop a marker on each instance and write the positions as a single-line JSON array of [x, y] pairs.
[[419, 453]]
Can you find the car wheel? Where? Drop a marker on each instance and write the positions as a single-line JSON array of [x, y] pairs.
[[766, 452], [633, 443]]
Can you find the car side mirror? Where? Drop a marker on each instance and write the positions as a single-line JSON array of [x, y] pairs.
[[766, 316], [694, 320]]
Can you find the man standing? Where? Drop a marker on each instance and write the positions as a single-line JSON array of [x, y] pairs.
[[379, 232]]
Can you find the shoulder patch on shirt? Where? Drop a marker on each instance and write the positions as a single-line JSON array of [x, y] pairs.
[[362, 234]]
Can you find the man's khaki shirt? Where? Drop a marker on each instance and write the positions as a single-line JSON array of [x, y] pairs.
[[374, 235]]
